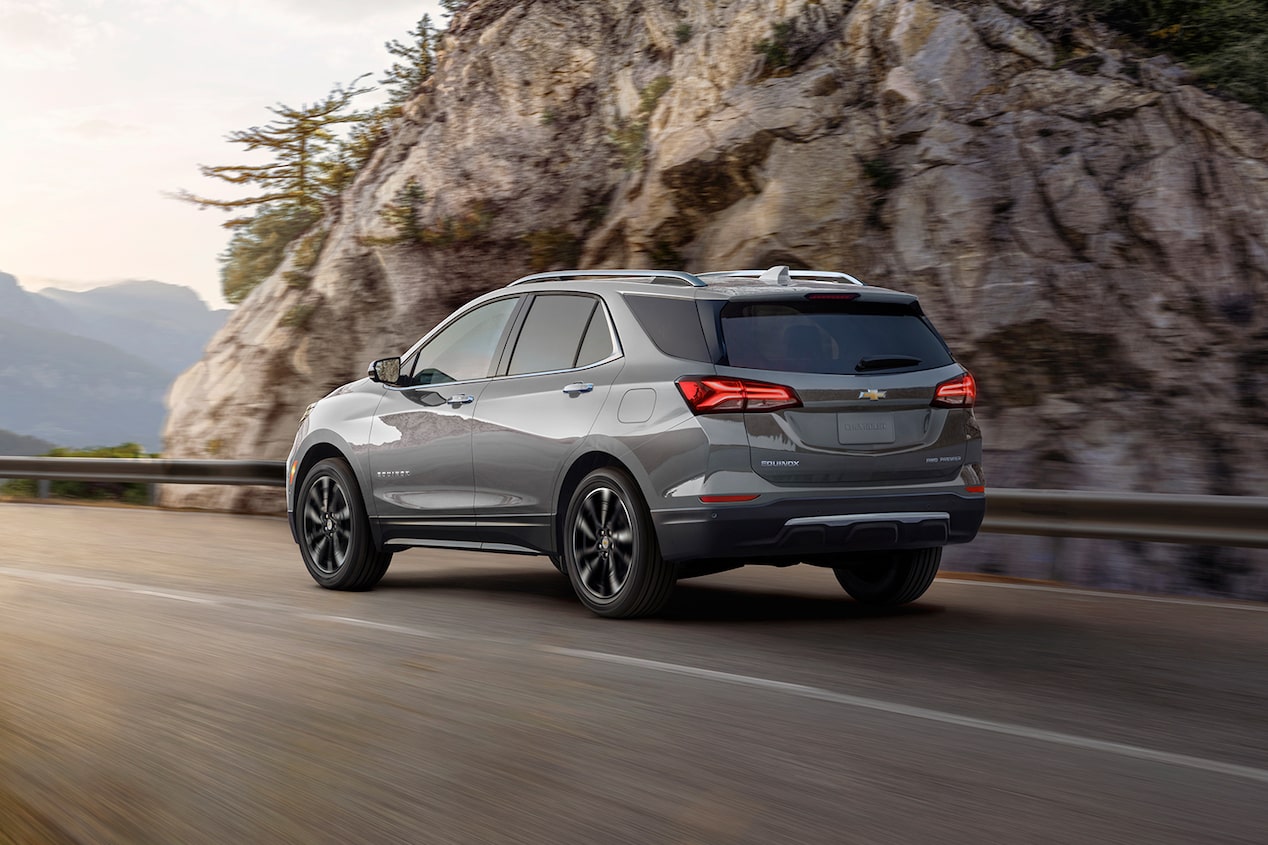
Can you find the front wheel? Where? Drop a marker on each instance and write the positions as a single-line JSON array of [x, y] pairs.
[[334, 535], [610, 550], [888, 579]]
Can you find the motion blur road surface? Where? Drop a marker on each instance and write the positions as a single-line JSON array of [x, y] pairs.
[[178, 678]]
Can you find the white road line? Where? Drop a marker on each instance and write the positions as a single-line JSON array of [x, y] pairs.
[[1020, 731], [1102, 594], [798, 690], [382, 626], [138, 589], [177, 596]]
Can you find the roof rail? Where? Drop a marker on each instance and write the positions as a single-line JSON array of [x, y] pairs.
[[674, 275], [822, 275]]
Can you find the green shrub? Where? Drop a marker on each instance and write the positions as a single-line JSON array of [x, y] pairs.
[[1223, 42], [549, 248], [775, 51], [683, 33], [402, 214], [298, 315], [258, 247], [630, 136]]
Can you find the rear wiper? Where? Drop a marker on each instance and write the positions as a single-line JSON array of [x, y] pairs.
[[885, 362]]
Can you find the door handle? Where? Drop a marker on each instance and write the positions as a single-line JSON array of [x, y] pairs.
[[578, 387], [461, 399]]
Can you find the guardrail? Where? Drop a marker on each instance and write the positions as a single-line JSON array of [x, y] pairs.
[[1145, 517]]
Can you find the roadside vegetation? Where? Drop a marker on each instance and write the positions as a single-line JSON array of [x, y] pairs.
[[130, 493], [1223, 42], [314, 151]]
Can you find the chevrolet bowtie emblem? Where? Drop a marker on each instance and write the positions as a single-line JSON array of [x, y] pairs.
[[872, 394]]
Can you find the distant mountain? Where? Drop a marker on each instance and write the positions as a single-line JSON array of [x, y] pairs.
[[167, 325], [20, 444], [91, 368]]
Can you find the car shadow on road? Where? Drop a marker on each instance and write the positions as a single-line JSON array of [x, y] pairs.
[[694, 601], [703, 602]]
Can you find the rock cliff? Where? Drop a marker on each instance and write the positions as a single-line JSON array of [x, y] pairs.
[[1088, 229]]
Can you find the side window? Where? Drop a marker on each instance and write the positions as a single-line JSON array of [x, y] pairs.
[[597, 344], [672, 323], [552, 333], [464, 349]]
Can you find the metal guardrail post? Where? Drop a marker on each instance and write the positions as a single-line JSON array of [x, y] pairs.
[[43, 488]]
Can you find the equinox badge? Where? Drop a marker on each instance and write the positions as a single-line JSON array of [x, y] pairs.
[[872, 393]]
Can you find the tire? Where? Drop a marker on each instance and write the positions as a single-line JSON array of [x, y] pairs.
[[888, 579], [610, 550], [334, 531]]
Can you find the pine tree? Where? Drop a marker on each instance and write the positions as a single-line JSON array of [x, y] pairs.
[[307, 167], [310, 165], [418, 60]]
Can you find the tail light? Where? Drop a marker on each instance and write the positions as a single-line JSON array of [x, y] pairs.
[[959, 392], [718, 395]]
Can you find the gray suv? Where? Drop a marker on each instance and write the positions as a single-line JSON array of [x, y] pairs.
[[640, 426]]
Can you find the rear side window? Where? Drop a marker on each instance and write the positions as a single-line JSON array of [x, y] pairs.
[[845, 338], [552, 334], [597, 344], [672, 324]]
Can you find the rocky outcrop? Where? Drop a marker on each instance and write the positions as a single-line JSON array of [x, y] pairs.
[[1086, 227]]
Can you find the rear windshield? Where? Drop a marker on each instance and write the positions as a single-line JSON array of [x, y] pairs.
[[830, 337]]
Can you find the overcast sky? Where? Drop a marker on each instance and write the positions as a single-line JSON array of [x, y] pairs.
[[110, 104]]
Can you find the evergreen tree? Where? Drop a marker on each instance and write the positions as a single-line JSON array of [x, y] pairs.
[[306, 168], [258, 246], [418, 60], [310, 165]]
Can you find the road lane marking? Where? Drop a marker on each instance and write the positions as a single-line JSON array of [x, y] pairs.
[[924, 713], [139, 589], [382, 626], [177, 596], [1102, 594], [799, 690]]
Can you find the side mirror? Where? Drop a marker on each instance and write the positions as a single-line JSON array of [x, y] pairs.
[[385, 370]]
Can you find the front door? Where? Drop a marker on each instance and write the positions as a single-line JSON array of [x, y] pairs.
[[420, 438]]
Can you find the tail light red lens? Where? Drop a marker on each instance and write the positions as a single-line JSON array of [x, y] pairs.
[[718, 395], [957, 393]]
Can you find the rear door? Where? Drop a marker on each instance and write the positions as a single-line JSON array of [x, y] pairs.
[[866, 372], [559, 370]]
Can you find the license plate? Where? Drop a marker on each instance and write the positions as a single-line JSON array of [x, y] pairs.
[[865, 429]]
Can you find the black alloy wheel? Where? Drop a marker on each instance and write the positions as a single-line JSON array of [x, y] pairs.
[[610, 549], [334, 531]]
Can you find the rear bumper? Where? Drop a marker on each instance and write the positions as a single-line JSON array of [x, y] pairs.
[[789, 528]]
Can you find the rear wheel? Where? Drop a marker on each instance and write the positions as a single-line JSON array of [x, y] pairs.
[[887, 579], [610, 550], [334, 531]]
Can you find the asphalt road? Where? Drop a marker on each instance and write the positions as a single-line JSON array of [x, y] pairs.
[[178, 678]]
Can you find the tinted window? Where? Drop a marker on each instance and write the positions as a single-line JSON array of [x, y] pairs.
[[830, 337], [673, 325], [551, 334], [597, 344], [464, 349]]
